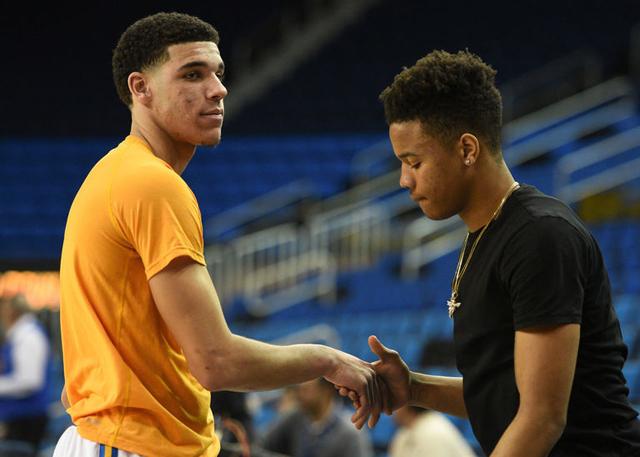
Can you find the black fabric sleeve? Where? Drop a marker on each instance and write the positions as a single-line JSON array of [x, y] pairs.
[[544, 268]]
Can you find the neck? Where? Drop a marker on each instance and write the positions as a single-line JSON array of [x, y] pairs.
[[176, 154], [485, 194]]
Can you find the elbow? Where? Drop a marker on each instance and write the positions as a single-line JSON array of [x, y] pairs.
[[557, 425], [215, 382], [215, 369], [214, 372], [207, 381], [555, 421], [550, 424], [212, 376]]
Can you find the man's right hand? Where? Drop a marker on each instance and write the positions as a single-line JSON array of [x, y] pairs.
[[359, 378], [394, 372], [394, 379]]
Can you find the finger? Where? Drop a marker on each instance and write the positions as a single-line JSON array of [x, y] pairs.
[[362, 413], [361, 418], [385, 393], [371, 393], [378, 348], [356, 417], [354, 401], [386, 397], [377, 403], [371, 404], [353, 396], [344, 392], [364, 410]]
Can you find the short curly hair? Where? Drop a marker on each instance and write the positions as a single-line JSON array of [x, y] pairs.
[[145, 42], [450, 94]]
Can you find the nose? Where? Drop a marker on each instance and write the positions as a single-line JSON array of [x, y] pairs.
[[406, 180], [216, 90]]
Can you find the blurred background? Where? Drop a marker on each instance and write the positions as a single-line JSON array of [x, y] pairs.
[[308, 236]]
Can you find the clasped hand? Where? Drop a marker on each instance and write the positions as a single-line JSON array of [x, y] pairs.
[[388, 387]]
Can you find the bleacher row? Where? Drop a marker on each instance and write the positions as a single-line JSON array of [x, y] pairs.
[[40, 178]]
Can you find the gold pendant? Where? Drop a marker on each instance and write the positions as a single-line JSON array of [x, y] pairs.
[[452, 304]]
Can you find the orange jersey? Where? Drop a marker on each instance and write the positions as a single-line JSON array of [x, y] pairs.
[[126, 377]]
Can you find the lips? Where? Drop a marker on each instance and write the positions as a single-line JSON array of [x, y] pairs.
[[215, 115], [214, 112]]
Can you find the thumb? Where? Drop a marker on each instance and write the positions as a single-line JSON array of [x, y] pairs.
[[378, 348]]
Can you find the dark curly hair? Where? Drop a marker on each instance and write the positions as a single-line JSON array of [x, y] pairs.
[[144, 44], [450, 94]]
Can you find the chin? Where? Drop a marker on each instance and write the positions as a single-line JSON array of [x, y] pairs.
[[211, 140], [215, 142], [434, 214]]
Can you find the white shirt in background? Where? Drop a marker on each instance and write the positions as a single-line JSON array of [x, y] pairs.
[[431, 435], [29, 357]]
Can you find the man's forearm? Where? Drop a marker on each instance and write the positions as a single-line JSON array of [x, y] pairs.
[[440, 393], [250, 365], [529, 437]]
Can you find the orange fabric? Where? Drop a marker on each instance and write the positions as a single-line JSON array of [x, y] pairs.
[[127, 379]]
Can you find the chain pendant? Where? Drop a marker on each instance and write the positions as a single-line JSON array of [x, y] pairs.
[[452, 304]]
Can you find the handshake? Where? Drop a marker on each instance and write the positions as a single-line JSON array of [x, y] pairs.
[[373, 388]]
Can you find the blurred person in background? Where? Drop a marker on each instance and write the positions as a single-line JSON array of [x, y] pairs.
[[425, 433], [233, 420], [317, 427], [144, 337], [287, 401], [24, 366], [537, 338]]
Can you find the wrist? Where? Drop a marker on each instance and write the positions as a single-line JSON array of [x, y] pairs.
[[327, 360], [414, 387]]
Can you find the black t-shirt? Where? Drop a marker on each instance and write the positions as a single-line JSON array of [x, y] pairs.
[[537, 264]]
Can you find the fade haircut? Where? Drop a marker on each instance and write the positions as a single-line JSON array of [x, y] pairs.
[[450, 94], [145, 42]]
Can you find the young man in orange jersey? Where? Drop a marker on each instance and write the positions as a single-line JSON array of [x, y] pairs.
[[144, 338]]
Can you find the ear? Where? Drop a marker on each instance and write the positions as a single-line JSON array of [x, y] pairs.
[[470, 148], [139, 87]]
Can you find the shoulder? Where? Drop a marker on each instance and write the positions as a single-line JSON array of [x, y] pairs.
[[542, 220], [537, 208], [546, 231], [142, 176], [547, 245]]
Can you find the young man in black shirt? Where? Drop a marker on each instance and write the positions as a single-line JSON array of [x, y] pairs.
[[537, 339]]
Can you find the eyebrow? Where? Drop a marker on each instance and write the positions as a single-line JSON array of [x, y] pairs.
[[200, 63], [404, 155]]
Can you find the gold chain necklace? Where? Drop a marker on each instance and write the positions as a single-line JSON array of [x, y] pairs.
[[452, 304]]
